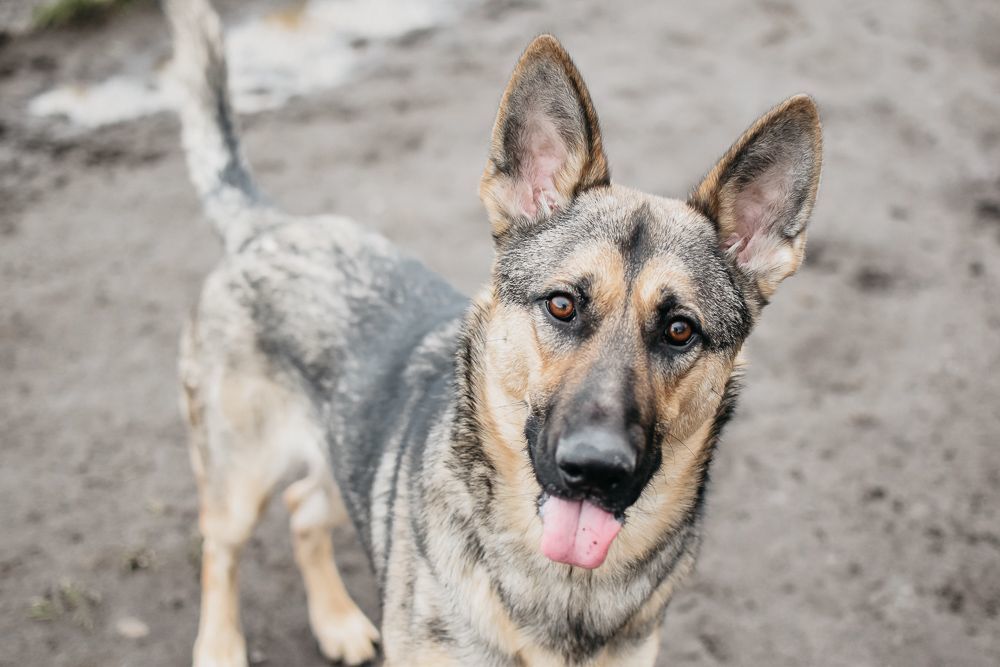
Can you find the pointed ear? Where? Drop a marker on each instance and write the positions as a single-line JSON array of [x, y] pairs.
[[546, 145], [761, 192]]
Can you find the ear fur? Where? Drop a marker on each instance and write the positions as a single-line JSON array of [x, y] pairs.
[[546, 143], [761, 193]]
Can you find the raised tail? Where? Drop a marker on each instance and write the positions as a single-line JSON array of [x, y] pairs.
[[215, 162]]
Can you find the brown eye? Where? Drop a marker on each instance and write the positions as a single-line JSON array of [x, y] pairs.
[[679, 332], [561, 307]]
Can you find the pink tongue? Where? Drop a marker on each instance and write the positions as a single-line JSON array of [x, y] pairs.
[[577, 532]]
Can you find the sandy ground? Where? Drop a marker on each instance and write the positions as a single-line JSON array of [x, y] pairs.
[[854, 516]]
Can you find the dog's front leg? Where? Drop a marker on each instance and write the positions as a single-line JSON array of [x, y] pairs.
[[343, 631]]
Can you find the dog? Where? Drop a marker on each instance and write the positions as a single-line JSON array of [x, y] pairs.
[[527, 469]]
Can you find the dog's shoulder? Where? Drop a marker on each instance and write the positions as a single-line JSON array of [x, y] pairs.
[[321, 293]]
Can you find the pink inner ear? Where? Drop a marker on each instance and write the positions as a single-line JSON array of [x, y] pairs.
[[756, 210], [545, 154]]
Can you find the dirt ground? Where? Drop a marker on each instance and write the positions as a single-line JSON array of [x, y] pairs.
[[854, 515]]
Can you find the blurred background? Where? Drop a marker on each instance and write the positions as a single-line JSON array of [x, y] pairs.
[[854, 514]]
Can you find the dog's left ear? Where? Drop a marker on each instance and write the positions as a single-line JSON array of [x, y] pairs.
[[761, 193], [546, 145]]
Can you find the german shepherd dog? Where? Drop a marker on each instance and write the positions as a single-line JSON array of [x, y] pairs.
[[526, 471]]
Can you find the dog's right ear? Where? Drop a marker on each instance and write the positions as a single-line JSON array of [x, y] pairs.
[[546, 145], [761, 193]]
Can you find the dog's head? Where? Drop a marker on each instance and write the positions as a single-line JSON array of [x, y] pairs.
[[618, 316]]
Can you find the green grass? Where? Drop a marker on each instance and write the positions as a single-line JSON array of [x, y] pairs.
[[68, 598], [62, 13]]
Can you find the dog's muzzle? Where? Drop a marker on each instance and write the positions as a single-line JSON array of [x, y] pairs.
[[596, 466]]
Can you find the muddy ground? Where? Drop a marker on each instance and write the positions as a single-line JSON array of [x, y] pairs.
[[854, 515]]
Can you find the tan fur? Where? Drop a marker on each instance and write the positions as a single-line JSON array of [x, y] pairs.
[[664, 503], [666, 271], [247, 432], [340, 627], [605, 264]]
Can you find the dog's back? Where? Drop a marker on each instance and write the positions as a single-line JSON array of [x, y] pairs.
[[338, 315], [310, 289], [315, 346]]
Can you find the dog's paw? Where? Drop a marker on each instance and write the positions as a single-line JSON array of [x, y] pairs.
[[220, 651], [349, 639]]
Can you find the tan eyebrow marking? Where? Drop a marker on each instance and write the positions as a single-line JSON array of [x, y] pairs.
[[603, 265], [660, 273]]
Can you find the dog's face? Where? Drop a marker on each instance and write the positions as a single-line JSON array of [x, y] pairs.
[[619, 315], [630, 321]]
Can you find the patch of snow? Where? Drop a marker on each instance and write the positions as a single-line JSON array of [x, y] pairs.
[[306, 48]]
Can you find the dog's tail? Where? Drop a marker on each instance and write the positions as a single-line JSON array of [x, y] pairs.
[[215, 162]]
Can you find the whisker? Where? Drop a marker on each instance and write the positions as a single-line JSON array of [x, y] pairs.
[[669, 436]]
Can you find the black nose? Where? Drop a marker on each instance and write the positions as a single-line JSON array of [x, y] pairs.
[[595, 460]]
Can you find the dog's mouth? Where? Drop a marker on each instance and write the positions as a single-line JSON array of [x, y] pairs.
[[577, 532]]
